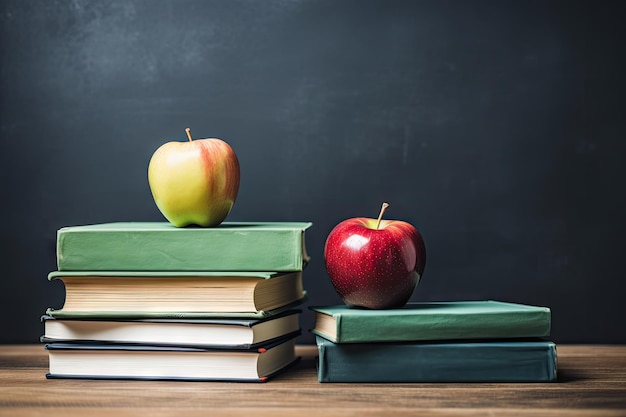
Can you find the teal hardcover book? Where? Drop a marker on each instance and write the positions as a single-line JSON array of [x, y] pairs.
[[159, 246], [432, 321], [479, 361]]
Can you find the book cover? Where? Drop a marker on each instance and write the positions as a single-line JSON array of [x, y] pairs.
[[159, 246], [199, 292], [432, 321], [216, 333], [108, 361], [477, 361]]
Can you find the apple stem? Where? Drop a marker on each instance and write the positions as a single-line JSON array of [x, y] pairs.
[[380, 216], [188, 131]]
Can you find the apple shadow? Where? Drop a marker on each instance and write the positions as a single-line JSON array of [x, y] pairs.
[[223, 226], [412, 305]]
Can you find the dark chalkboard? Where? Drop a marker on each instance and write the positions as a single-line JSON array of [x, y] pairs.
[[496, 128]]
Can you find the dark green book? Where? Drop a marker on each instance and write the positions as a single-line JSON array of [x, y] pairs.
[[477, 361], [159, 246], [432, 321]]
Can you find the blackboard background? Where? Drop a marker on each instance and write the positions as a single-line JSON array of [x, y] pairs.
[[496, 128]]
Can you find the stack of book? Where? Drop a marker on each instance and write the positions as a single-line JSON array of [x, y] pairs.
[[152, 301], [465, 341]]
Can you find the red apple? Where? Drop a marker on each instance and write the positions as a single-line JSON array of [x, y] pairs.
[[375, 263], [194, 182]]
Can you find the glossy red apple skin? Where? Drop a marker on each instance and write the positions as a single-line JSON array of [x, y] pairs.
[[374, 268]]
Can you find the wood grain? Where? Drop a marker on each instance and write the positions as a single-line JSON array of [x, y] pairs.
[[592, 382]]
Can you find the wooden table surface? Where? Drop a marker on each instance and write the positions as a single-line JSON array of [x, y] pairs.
[[592, 381]]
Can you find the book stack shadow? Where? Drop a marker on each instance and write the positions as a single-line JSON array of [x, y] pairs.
[[156, 302], [456, 341]]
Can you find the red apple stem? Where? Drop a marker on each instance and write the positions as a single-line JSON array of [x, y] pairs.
[[188, 131], [380, 216]]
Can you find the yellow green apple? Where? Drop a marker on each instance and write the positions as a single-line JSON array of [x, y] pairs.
[[194, 182]]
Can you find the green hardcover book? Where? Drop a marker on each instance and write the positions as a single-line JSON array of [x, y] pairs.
[[432, 321], [169, 294], [478, 361], [159, 246]]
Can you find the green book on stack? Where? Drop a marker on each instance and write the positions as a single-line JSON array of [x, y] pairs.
[[432, 321], [476, 361], [159, 246]]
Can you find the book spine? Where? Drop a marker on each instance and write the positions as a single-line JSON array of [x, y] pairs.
[[275, 250], [355, 329], [437, 362]]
